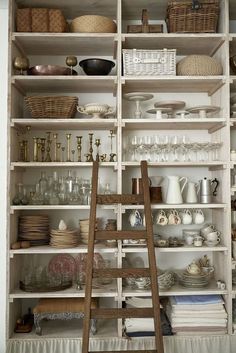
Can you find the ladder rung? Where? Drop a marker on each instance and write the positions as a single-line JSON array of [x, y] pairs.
[[121, 272], [121, 313], [125, 199], [128, 351], [120, 234]]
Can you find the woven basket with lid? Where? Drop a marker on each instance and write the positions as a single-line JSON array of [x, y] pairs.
[[199, 65], [93, 24]]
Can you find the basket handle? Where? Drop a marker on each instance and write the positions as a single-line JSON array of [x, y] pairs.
[[149, 61], [196, 5]]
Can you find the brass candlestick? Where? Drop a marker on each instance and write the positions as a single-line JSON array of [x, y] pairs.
[[48, 147], [68, 147], [112, 155], [26, 151], [43, 149], [73, 155], [21, 151], [90, 155], [79, 147], [55, 146], [39, 146], [63, 154], [103, 157], [97, 144], [35, 156], [58, 151], [87, 157]]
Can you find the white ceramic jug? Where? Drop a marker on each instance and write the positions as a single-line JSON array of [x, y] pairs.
[[174, 191], [192, 192]]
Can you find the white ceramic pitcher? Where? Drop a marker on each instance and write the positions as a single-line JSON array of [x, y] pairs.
[[174, 190], [192, 192]]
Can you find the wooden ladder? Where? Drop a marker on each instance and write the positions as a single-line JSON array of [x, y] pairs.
[[151, 271]]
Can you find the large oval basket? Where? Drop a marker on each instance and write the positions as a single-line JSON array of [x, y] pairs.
[[93, 24]]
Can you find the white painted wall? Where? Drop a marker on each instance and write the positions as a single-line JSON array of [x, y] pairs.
[[3, 164]]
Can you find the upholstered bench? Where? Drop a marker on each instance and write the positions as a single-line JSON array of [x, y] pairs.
[[61, 309]]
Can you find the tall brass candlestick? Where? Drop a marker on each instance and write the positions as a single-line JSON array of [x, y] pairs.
[[35, 156], [58, 151], [90, 155], [97, 144], [43, 149], [68, 138], [48, 148], [79, 147], [55, 146]]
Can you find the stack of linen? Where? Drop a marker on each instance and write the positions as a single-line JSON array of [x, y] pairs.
[[137, 327], [197, 314]]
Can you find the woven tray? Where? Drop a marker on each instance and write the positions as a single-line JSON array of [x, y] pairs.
[[192, 16], [52, 106]]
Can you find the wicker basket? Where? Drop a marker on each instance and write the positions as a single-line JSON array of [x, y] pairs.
[[199, 65], [149, 62], [93, 24], [40, 20], [183, 17], [52, 106]]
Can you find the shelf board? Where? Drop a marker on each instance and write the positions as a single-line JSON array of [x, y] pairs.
[[176, 290], [68, 124], [47, 249], [109, 290], [164, 206], [58, 329], [178, 84], [78, 44], [174, 124], [220, 164], [182, 249], [185, 44], [64, 84], [56, 207], [59, 164]]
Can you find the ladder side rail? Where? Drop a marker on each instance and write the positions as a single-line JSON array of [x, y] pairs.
[[152, 259], [89, 264]]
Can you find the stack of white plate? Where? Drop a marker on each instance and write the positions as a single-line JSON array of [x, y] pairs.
[[67, 238]]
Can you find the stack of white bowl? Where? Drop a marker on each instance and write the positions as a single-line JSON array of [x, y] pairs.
[[84, 230]]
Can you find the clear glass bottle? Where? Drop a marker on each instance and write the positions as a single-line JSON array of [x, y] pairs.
[[75, 195], [107, 189], [43, 183], [25, 198], [69, 185], [18, 195], [54, 190]]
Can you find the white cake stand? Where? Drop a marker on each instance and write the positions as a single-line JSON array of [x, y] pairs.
[[175, 105], [182, 114], [160, 111], [203, 110], [138, 97]]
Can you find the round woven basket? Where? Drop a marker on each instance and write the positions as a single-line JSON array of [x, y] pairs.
[[199, 65], [93, 24]]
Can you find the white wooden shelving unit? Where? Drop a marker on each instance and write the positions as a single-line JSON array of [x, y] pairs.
[[52, 48]]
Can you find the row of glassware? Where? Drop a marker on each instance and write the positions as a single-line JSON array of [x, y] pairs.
[[54, 190], [165, 148]]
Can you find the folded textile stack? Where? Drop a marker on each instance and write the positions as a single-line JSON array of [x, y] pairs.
[[197, 314], [137, 327]]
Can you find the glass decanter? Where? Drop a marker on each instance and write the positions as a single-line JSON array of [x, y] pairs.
[[37, 197], [75, 195], [43, 183], [69, 185]]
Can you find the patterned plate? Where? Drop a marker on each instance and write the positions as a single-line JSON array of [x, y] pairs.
[[63, 264]]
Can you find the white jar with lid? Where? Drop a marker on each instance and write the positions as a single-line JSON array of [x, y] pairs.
[[233, 155]]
